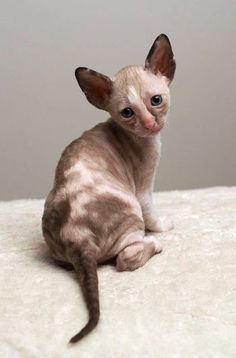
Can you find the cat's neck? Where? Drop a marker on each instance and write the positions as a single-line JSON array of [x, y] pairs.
[[141, 155], [145, 144]]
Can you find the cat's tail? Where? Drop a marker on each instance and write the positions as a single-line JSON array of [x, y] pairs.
[[85, 265]]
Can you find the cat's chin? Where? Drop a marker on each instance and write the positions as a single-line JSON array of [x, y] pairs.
[[148, 134]]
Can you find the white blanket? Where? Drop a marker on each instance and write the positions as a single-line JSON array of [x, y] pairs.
[[182, 303]]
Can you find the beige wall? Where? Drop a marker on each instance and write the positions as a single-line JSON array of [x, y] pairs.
[[42, 108]]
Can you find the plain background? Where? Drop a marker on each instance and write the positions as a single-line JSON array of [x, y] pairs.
[[43, 109]]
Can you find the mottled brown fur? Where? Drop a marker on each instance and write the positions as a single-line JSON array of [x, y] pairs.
[[100, 205]]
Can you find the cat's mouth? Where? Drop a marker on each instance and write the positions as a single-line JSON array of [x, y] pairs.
[[149, 132]]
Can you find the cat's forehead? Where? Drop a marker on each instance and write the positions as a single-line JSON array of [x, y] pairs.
[[135, 80]]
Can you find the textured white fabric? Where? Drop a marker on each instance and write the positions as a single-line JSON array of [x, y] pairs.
[[182, 303]]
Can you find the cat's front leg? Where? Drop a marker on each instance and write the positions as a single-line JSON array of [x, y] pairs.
[[153, 223]]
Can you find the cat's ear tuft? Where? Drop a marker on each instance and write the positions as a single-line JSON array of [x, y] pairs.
[[161, 58], [95, 86]]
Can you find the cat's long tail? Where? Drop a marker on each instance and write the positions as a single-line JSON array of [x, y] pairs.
[[85, 265]]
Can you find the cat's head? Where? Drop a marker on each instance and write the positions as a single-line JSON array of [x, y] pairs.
[[137, 98]]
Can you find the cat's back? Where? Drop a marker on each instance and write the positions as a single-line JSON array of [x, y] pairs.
[[91, 176], [97, 151]]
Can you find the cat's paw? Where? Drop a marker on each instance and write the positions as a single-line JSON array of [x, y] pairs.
[[130, 258], [158, 246], [164, 223]]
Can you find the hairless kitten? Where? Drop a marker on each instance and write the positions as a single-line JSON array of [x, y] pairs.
[[100, 206]]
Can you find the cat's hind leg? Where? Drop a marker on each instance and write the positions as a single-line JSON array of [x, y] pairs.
[[138, 253]]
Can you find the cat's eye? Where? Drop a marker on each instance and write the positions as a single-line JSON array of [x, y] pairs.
[[156, 100], [127, 112]]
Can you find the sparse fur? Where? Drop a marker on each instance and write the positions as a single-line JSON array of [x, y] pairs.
[[100, 206]]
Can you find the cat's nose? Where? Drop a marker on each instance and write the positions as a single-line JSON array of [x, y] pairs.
[[149, 124]]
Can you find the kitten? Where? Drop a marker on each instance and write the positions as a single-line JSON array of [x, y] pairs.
[[100, 206]]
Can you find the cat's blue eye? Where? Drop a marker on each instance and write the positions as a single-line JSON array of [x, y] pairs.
[[156, 100], [127, 112]]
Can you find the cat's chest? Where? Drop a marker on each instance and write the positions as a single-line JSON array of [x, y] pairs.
[[151, 155], [146, 168]]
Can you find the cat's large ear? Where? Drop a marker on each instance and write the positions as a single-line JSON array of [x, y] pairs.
[[161, 58], [95, 86]]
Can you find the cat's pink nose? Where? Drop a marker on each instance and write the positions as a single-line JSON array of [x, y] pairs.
[[149, 124]]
